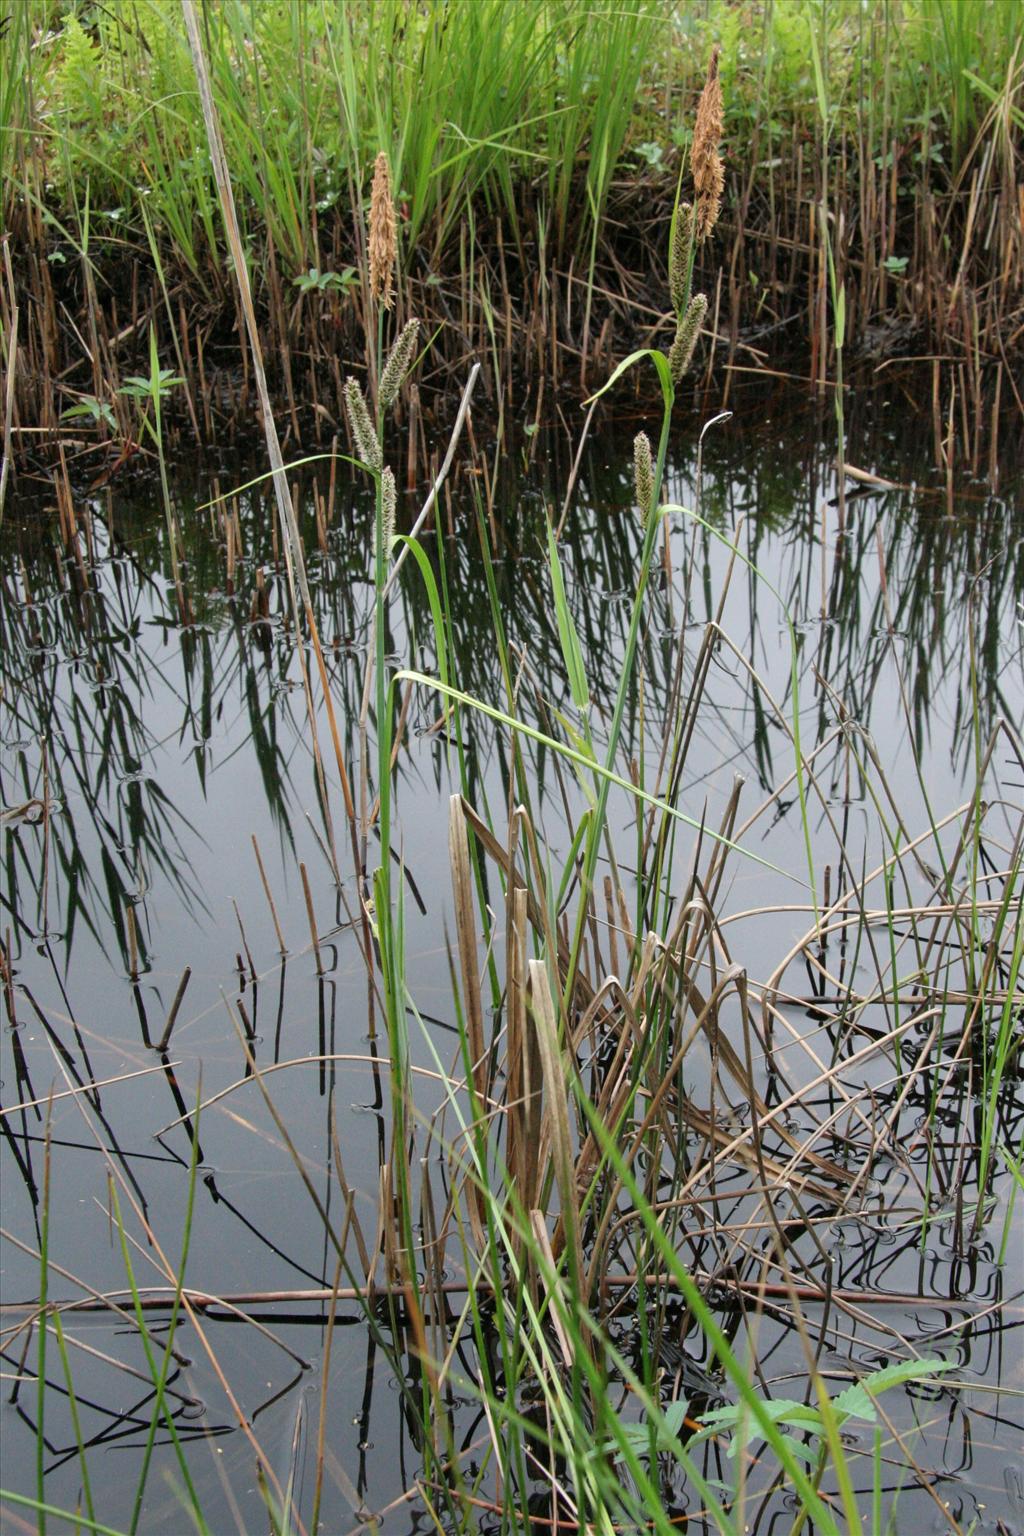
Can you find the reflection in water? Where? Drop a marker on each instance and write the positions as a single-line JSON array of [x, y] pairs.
[[142, 763], [102, 691]]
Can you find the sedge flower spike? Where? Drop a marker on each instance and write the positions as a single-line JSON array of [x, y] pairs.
[[363, 434], [681, 352], [643, 475], [705, 160], [389, 502], [383, 243], [679, 256], [398, 364]]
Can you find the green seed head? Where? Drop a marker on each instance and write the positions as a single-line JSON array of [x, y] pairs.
[[679, 256], [389, 500], [681, 352], [398, 365], [643, 475], [364, 436]]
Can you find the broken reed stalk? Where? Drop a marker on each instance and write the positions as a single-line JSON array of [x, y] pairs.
[[156, 1298], [439, 478], [269, 895], [133, 942], [312, 918], [172, 1017]]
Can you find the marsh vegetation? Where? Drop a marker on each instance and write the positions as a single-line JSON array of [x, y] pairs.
[[536, 150], [511, 938]]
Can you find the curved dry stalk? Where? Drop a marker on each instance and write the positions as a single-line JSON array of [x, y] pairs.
[[361, 1058]]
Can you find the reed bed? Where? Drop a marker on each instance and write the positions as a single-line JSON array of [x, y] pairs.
[[625, 1160], [536, 150]]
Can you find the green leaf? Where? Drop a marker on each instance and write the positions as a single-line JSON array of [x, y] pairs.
[[73, 1517], [423, 681], [819, 80], [660, 362], [97, 410], [738, 1418], [420, 556], [639, 1435], [841, 318], [856, 1402], [797, 1448], [675, 1413], [568, 638]]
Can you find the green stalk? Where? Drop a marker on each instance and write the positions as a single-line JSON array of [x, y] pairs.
[[391, 936], [179, 1285], [44, 1303], [73, 1517], [581, 760], [157, 1374], [83, 1460]]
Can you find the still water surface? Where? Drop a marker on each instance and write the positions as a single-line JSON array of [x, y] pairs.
[[165, 751]]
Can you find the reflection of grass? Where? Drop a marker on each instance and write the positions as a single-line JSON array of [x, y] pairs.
[[72, 684], [930, 579]]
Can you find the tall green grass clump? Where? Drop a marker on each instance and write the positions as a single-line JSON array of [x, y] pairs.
[[534, 147]]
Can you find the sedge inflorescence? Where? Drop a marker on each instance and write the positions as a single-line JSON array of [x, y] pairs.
[[705, 159], [383, 241], [692, 224]]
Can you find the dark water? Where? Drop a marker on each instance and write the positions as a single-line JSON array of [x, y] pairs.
[[164, 750]]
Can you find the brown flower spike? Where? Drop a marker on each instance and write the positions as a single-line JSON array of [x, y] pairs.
[[705, 161], [382, 234]]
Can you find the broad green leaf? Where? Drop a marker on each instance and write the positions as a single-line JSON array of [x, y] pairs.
[[419, 555], [675, 1413], [855, 1402], [639, 1435], [797, 1448], [744, 1426]]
